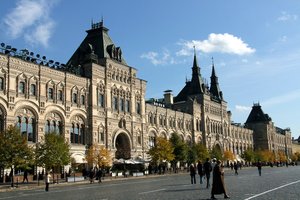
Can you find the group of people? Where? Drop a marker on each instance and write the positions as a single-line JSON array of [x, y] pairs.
[[96, 173], [204, 170]]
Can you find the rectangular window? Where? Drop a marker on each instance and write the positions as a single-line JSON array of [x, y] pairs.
[[138, 108], [22, 87], [50, 93], [1, 83], [122, 105], [101, 100], [127, 105], [115, 103], [32, 90], [82, 99], [74, 98], [60, 95]]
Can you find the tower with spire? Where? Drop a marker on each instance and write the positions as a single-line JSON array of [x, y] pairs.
[[215, 91]]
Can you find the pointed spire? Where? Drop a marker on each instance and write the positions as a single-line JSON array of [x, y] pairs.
[[213, 73], [196, 76], [195, 63], [214, 84]]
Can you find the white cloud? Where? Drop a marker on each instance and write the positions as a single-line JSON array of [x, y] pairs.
[[159, 59], [223, 43], [30, 19], [287, 17], [41, 34], [242, 108]]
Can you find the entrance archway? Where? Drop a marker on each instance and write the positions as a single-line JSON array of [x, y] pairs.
[[123, 147]]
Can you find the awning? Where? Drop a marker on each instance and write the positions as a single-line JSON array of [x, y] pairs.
[[79, 158]]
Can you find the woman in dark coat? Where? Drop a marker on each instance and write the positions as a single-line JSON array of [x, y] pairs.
[[218, 185]]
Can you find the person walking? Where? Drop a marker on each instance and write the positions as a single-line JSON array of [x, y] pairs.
[[218, 185], [47, 181], [207, 169], [259, 165], [91, 175], [25, 176], [200, 171], [99, 175], [235, 166], [193, 174]]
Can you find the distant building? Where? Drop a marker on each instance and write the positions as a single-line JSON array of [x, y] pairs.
[[97, 98], [266, 136]]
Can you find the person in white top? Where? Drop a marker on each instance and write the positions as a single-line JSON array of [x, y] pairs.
[[47, 181]]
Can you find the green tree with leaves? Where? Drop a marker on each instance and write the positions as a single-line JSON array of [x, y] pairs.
[[180, 149], [162, 151], [54, 151], [14, 150], [201, 151], [216, 153], [249, 155]]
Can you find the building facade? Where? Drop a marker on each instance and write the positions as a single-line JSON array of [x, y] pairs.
[[97, 98]]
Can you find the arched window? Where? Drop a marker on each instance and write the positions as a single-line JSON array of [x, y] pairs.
[[33, 90], [101, 100], [22, 87], [50, 93], [82, 100], [74, 97], [77, 132], [47, 126], [53, 123], [152, 140], [27, 127], [60, 95], [138, 108]]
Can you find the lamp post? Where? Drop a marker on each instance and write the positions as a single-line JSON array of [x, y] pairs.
[[12, 175]]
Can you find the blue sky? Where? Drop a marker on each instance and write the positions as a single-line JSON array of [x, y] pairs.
[[255, 44]]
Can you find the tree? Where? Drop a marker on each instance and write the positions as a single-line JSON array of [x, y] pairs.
[[98, 155], [249, 155], [162, 151], [216, 153], [54, 151], [191, 154], [14, 150], [264, 155], [282, 156], [180, 149], [228, 155], [201, 151]]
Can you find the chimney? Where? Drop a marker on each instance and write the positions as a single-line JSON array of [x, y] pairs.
[[168, 97]]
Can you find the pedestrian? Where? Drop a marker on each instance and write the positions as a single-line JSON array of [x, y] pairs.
[[207, 169], [91, 175], [200, 171], [193, 174], [25, 176], [47, 181], [259, 165], [99, 175], [218, 185], [235, 166]]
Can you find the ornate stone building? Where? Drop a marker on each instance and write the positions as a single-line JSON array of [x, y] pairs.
[[97, 98], [266, 135]]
